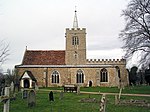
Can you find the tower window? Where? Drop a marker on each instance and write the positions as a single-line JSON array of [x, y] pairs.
[[80, 76], [55, 77], [103, 75], [75, 40]]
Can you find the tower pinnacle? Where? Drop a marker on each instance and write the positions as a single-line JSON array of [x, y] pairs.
[[75, 22]]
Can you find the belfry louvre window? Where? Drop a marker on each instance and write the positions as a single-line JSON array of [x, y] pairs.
[[80, 76], [55, 77], [103, 75], [75, 40]]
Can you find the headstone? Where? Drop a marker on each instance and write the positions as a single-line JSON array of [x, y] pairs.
[[116, 100], [78, 89], [12, 87], [24, 94], [36, 87], [7, 102], [31, 98], [51, 97], [16, 87], [61, 95], [102, 104]]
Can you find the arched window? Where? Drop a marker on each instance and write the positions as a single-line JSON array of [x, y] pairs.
[[75, 40], [55, 77], [80, 76], [118, 71], [103, 75]]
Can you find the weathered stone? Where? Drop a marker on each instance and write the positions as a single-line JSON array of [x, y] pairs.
[[31, 98]]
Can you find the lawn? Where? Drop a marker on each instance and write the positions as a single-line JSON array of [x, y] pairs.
[[131, 90], [71, 102]]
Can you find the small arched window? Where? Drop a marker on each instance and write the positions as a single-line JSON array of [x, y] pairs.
[[118, 71], [55, 77], [103, 75], [80, 76]]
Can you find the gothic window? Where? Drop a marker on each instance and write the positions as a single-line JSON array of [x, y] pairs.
[[80, 76], [103, 75], [75, 40], [55, 77], [118, 71]]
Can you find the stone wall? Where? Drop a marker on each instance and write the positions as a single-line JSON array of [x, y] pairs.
[[68, 76]]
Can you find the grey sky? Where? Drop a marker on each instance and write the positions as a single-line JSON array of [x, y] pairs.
[[40, 24]]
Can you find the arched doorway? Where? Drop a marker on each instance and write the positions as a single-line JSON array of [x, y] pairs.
[[90, 83], [26, 83]]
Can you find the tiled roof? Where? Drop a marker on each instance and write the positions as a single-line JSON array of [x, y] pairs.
[[44, 57]]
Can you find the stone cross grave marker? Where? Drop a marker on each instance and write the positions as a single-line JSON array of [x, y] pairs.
[[31, 98], [51, 97], [103, 104]]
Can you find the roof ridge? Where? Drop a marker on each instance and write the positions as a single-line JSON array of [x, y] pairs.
[[45, 50]]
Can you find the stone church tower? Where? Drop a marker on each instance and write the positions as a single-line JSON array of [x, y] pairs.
[[75, 45]]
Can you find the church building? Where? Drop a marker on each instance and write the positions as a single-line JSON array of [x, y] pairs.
[[70, 66]]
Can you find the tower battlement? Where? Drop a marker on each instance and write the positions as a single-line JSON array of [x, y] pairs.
[[106, 61], [75, 29]]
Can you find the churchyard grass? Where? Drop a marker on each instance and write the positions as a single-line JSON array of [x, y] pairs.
[[70, 102], [131, 89], [141, 89]]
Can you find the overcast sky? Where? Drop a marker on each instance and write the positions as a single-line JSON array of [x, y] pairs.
[[41, 24]]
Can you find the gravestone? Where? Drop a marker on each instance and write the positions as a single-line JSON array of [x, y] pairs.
[[31, 98], [16, 87], [78, 89], [24, 94], [103, 104], [51, 97], [12, 87], [61, 95], [36, 87], [116, 100]]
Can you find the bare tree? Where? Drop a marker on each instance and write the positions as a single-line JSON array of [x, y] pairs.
[[4, 51], [136, 34]]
